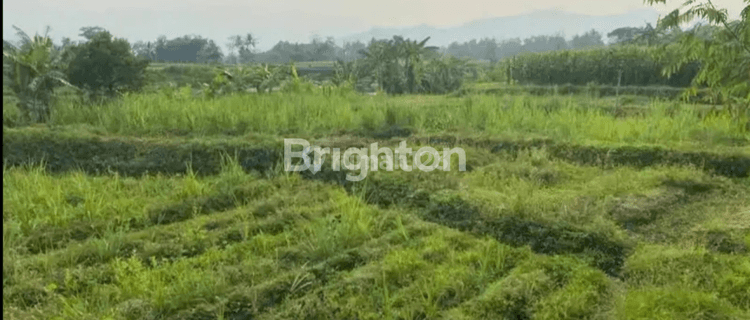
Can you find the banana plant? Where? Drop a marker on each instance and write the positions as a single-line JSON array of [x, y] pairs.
[[346, 72], [397, 63], [412, 52], [34, 72], [277, 75], [242, 78], [377, 57]]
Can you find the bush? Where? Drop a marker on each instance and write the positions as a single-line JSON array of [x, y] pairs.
[[11, 113]]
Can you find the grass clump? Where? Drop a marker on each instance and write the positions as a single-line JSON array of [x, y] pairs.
[[540, 288], [675, 303], [695, 269]]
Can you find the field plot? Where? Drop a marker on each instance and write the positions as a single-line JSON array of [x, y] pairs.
[[168, 206]]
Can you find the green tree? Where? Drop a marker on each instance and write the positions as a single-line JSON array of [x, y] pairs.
[[544, 43], [645, 35], [443, 75], [144, 50], [322, 50], [589, 39], [412, 53], [351, 50], [399, 64], [243, 45], [724, 56], [210, 52], [378, 57], [490, 50], [33, 70], [90, 32], [106, 65], [624, 35], [188, 48]]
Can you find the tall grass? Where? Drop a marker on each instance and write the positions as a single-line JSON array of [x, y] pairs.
[[565, 118], [33, 198]]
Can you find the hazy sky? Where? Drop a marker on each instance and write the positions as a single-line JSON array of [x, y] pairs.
[[292, 20]]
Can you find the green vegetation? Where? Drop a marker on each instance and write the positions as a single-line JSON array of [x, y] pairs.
[[168, 227], [31, 72], [105, 65], [170, 199], [180, 75], [625, 96], [330, 111], [724, 55], [627, 65], [236, 244]]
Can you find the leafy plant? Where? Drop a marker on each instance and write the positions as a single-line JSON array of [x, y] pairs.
[[263, 78], [403, 66], [724, 55], [106, 65], [244, 45], [443, 75], [33, 71], [632, 64], [347, 72]]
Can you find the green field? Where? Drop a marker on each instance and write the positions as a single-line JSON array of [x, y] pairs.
[[166, 205]]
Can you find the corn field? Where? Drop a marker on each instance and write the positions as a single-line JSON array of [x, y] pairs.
[[621, 65]]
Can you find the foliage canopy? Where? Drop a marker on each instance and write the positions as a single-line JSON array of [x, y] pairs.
[[724, 55], [106, 65]]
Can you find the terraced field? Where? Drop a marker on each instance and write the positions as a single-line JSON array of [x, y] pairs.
[[171, 207]]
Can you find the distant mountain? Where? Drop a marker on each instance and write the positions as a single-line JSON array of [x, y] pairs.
[[547, 22]]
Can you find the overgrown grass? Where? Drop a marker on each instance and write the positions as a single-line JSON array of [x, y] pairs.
[[398, 267], [32, 198], [526, 233], [329, 112], [288, 248]]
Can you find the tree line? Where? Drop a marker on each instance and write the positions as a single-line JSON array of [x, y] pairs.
[[493, 50], [242, 48]]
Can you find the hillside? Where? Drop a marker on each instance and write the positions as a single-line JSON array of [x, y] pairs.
[[520, 26]]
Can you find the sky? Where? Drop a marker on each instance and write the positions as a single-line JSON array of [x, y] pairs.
[[289, 20]]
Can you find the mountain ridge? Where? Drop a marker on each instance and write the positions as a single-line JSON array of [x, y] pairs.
[[535, 23]]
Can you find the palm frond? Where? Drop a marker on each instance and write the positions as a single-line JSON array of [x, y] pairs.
[[25, 39], [421, 44]]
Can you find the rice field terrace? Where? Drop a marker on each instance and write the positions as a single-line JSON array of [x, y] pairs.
[[168, 205]]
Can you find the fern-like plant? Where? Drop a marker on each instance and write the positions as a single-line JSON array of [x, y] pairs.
[[724, 55]]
